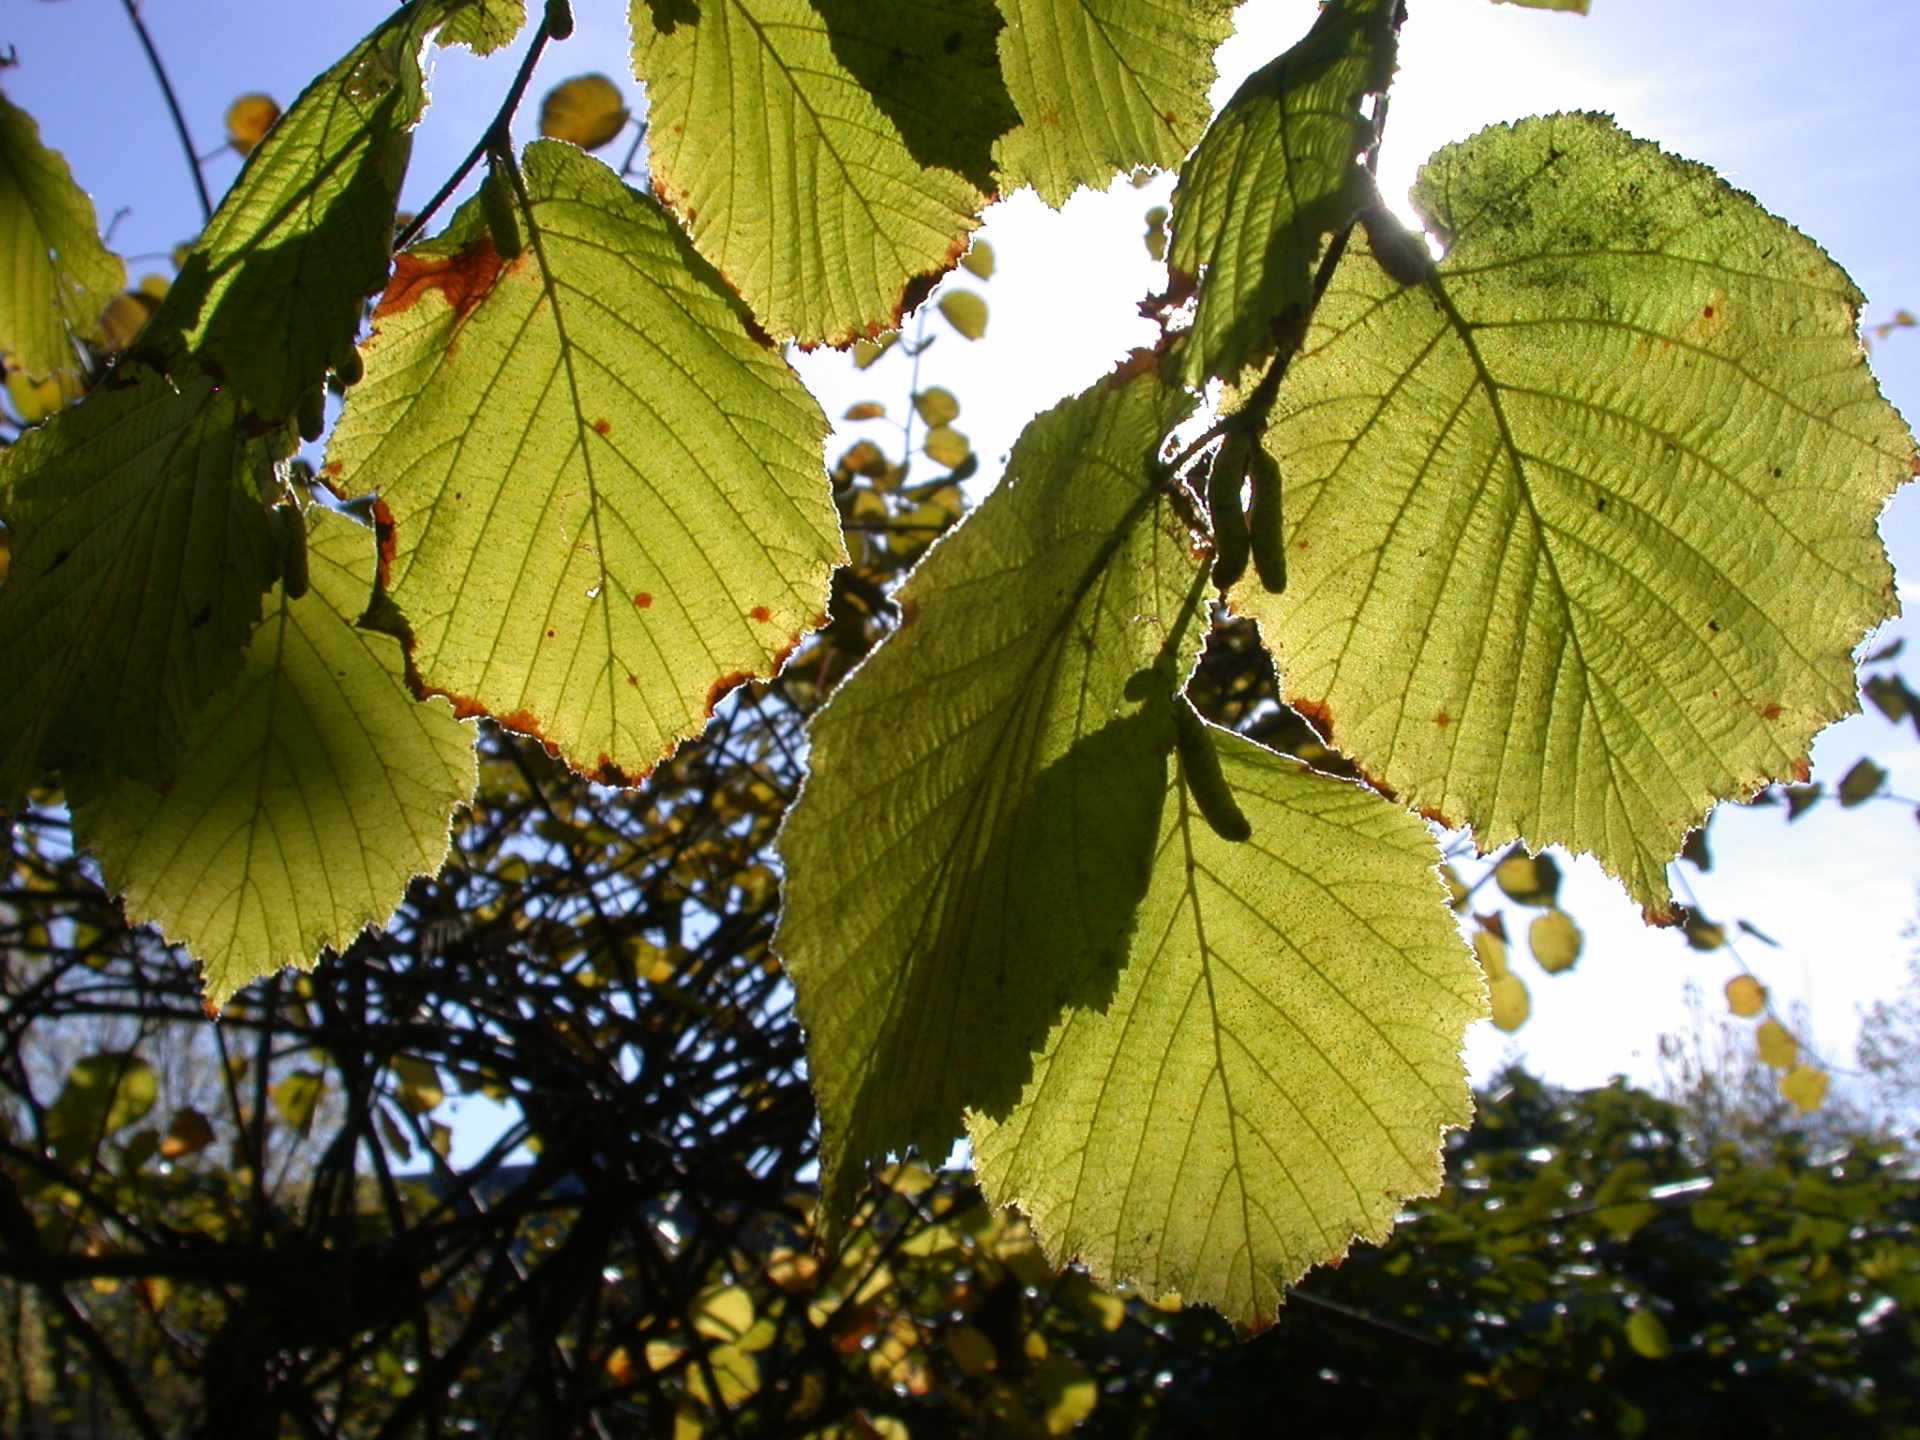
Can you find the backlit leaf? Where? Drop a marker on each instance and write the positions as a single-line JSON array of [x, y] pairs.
[[966, 312], [1746, 996], [248, 120], [273, 290], [1529, 879], [306, 796], [936, 406], [984, 792], [139, 553], [1277, 171], [1555, 941], [1104, 86], [1805, 1086], [979, 259], [946, 446], [1509, 1002], [55, 275], [1277, 1065], [825, 154], [587, 111], [1775, 1044], [1582, 531], [599, 411], [483, 26]]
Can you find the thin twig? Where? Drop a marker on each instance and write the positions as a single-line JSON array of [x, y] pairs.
[[495, 136], [173, 108]]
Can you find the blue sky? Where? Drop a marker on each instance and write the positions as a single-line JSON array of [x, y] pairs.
[[1810, 107]]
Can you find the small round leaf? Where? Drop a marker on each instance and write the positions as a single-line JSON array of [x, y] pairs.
[[248, 120], [966, 312], [587, 111]]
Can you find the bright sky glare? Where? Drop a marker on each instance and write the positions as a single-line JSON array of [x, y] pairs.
[[1809, 107]]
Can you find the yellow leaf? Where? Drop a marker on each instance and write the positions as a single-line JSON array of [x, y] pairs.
[[1492, 953], [1746, 996], [1456, 887], [125, 317], [1555, 941], [937, 406], [1067, 1391], [966, 312], [865, 352], [1805, 1086], [1529, 879], [724, 1312], [1705, 934], [946, 446], [1776, 1045], [35, 401], [248, 120], [866, 410], [979, 259], [587, 111], [1647, 1335], [1510, 1003]]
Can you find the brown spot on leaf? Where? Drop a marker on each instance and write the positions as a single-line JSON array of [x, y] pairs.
[[1141, 361], [385, 544], [1442, 719], [724, 686], [1661, 917], [642, 600], [1316, 714], [634, 680], [1770, 712], [761, 613], [909, 612], [1802, 769], [1438, 817], [604, 427], [463, 279]]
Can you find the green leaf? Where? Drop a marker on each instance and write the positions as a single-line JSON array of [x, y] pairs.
[[1861, 783], [823, 155], [296, 1095], [139, 552], [983, 793], [306, 797], [274, 289], [483, 26], [1278, 1065], [55, 275], [1578, 7], [606, 491], [1582, 531], [966, 312], [103, 1095], [1277, 172], [1104, 86]]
